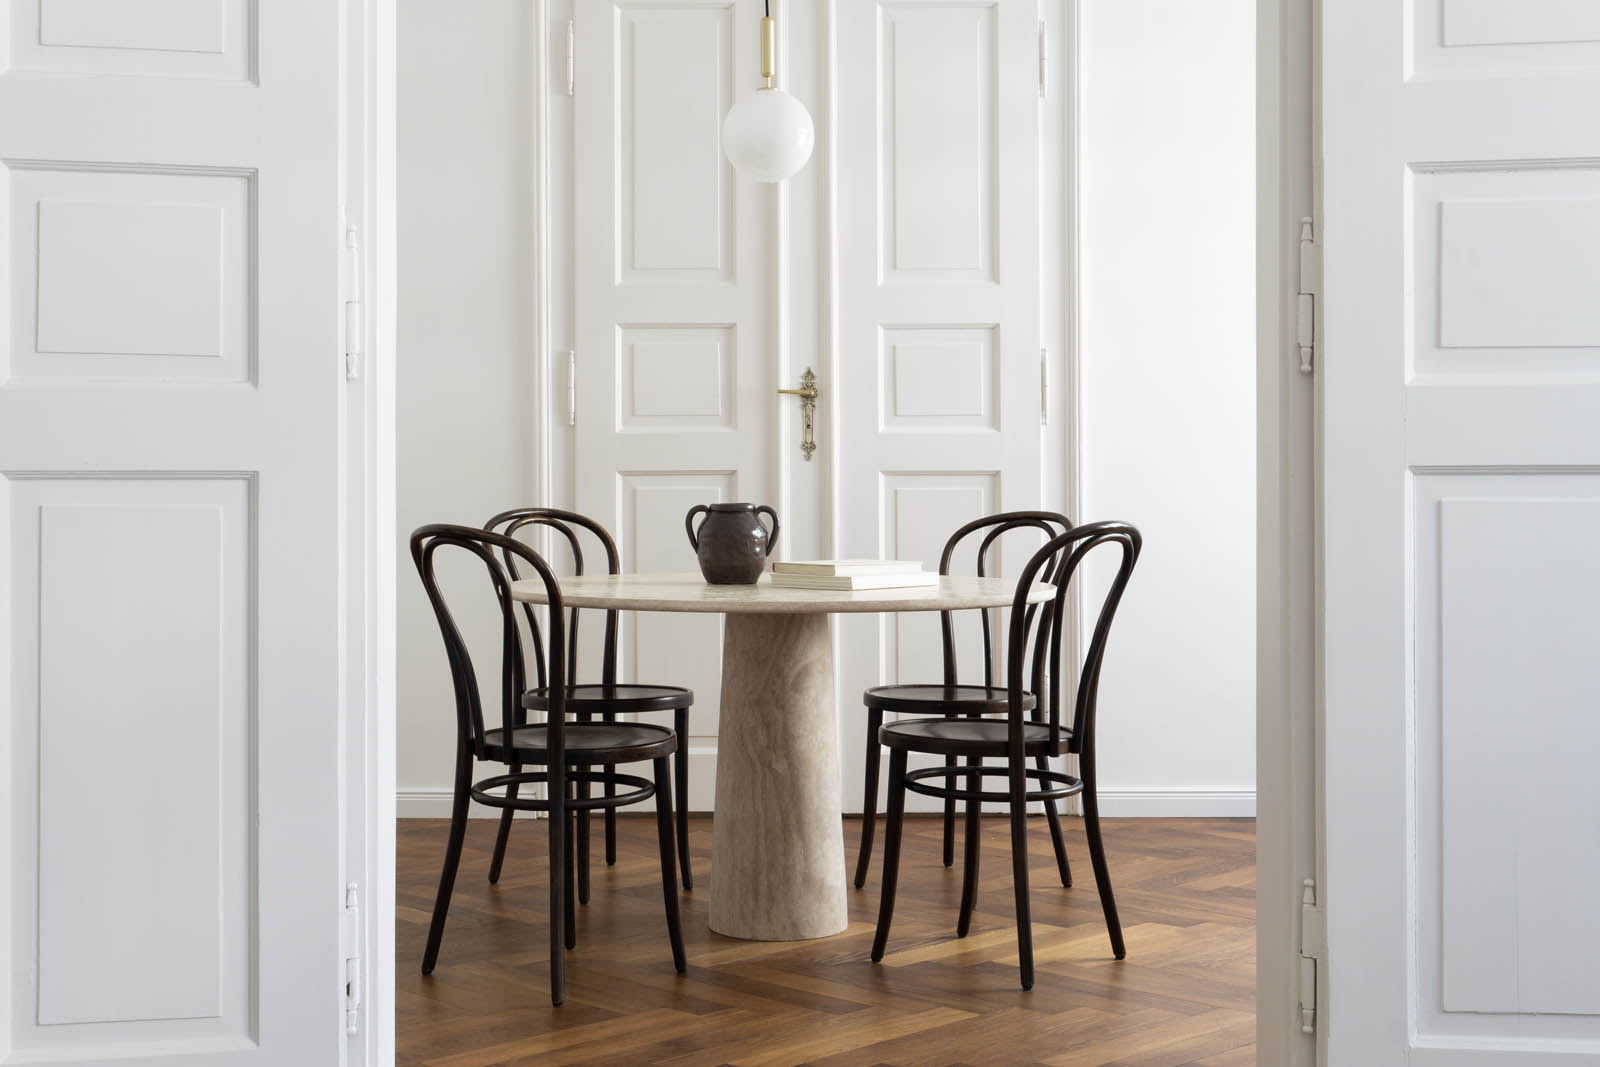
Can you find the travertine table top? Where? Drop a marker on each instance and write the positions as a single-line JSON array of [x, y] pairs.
[[691, 592]]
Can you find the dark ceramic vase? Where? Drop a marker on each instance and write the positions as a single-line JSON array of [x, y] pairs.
[[731, 543]]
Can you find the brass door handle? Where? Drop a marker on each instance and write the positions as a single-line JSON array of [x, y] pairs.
[[808, 410]]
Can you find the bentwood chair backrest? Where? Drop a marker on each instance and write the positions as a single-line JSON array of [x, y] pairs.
[[426, 543], [566, 524], [993, 528], [1066, 554]]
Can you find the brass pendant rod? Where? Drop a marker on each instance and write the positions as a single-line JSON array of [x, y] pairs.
[[768, 50]]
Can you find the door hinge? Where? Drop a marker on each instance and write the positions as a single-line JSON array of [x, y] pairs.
[[352, 304], [1044, 60], [1044, 387], [1305, 313], [352, 960], [572, 387], [572, 56], [1313, 950]]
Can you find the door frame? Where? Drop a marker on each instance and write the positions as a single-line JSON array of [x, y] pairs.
[[368, 523], [1288, 560], [1288, 538]]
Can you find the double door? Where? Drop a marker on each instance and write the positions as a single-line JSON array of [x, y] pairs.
[[902, 268]]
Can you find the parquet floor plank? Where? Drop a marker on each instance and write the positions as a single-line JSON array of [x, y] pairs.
[[1183, 998]]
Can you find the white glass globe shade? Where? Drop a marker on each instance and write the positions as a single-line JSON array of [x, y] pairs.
[[768, 135]]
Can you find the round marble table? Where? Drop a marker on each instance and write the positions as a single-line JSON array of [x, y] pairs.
[[777, 863]]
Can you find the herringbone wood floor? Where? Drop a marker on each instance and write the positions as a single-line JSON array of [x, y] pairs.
[[1184, 996]]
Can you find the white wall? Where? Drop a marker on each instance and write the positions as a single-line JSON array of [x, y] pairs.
[[1168, 389], [466, 325]]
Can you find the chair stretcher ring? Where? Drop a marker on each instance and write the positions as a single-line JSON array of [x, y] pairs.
[[1064, 785], [643, 789]]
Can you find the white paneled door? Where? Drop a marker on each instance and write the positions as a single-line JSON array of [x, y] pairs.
[[938, 302], [169, 532], [690, 291], [1461, 514], [674, 377]]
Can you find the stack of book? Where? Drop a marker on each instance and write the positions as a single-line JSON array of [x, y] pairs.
[[851, 574]]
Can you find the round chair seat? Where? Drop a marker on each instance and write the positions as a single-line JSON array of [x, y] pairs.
[[586, 743], [622, 699], [965, 737], [942, 699]]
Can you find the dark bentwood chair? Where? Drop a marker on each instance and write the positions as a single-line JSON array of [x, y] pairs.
[[607, 699], [565, 750], [1015, 739], [951, 698]]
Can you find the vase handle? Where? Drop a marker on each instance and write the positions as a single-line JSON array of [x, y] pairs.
[[772, 534], [688, 524]]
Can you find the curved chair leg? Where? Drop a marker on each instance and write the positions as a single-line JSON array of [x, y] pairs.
[[1097, 854], [504, 833], [891, 849], [1019, 865], [452, 856], [559, 858], [680, 781], [567, 877], [869, 796], [669, 875], [611, 818], [969, 869], [1057, 840]]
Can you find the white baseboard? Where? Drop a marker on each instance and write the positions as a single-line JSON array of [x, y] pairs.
[[1178, 803], [1138, 804], [1114, 803], [435, 804]]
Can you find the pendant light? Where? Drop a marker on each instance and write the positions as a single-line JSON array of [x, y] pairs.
[[768, 135]]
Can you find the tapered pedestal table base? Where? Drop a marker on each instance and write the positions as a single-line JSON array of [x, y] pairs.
[[777, 842]]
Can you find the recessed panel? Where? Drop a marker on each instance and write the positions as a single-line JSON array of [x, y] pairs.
[[145, 25], [1499, 22], [1508, 819], [1518, 587], [1519, 273], [674, 188], [130, 276], [132, 634], [1505, 264], [169, 38], [941, 379], [671, 649], [938, 140], [676, 378], [1496, 37], [921, 510]]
